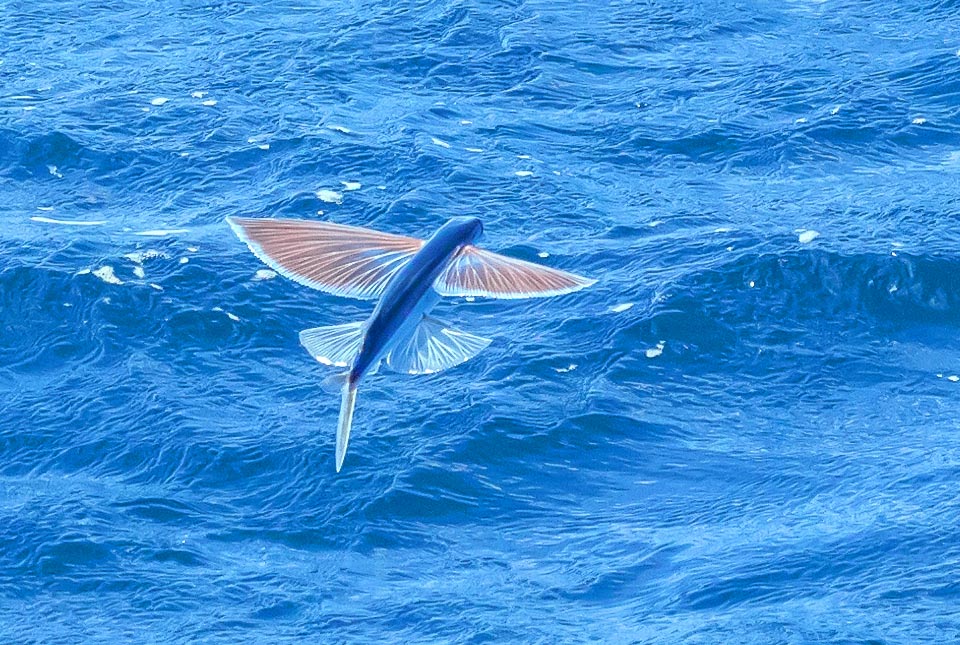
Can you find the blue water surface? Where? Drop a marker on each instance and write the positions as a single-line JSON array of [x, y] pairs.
[[747, 431]]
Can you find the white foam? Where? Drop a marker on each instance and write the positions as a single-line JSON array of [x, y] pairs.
[[67, 222], [801, 120], [953, 377], [351, 185], [807, 236], [919, 121], [340, 128], [621, 307], [524, 157], [655, 223], [46, 209], [523, 173], [208, 103], [198, 95], [474, 150], [156, 286], [160, 100], [751, 284], [161, 232], [139, 272], [29, 108], [835, 109], [139, 256], [184, 260], [465, 122], [653, 352], [264, 274], [193, 249], [330, 196], [53, 171], [106, 274], [569, 368], [264, 146], [543, 254], [439, 142]]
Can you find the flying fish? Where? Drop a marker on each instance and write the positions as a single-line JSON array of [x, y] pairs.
[[407, 276]]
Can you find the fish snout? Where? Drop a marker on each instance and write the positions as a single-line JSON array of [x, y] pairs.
[[472, 226]]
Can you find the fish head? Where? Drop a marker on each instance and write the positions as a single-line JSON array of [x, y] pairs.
[[466, 228]]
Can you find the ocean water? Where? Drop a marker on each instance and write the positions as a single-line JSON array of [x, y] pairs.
[[747, 431]]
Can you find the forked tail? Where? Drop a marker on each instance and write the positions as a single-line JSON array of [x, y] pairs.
[[347, 400]]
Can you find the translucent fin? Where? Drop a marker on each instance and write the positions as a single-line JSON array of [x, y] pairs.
[[342, 260], [345, 422], [336, 345], [476, 272], [333, 384], [434, 348]]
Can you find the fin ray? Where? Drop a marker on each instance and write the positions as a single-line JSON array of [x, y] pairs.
[[478, 272], [433, 348], [336, 345], [342, 260]]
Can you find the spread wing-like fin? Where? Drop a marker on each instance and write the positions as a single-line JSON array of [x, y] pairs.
[[342, 260], [434, 347], [336, 345], [477, 272]]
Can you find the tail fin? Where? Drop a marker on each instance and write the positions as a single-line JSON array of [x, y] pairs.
[[349, 397]]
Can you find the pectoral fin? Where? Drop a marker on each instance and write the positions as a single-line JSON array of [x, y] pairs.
[[343, 260], [478, 272], [433, 348]]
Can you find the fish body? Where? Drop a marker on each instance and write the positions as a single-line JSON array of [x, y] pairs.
[[407, 277], [409, 296]]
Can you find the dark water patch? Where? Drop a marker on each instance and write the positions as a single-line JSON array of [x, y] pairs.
[[160, 510], [282, 610], [294, 537], [815, 298], [178, 556], [848, 565], [67, 554], [51, 318], [932, 82], [27, 157]]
